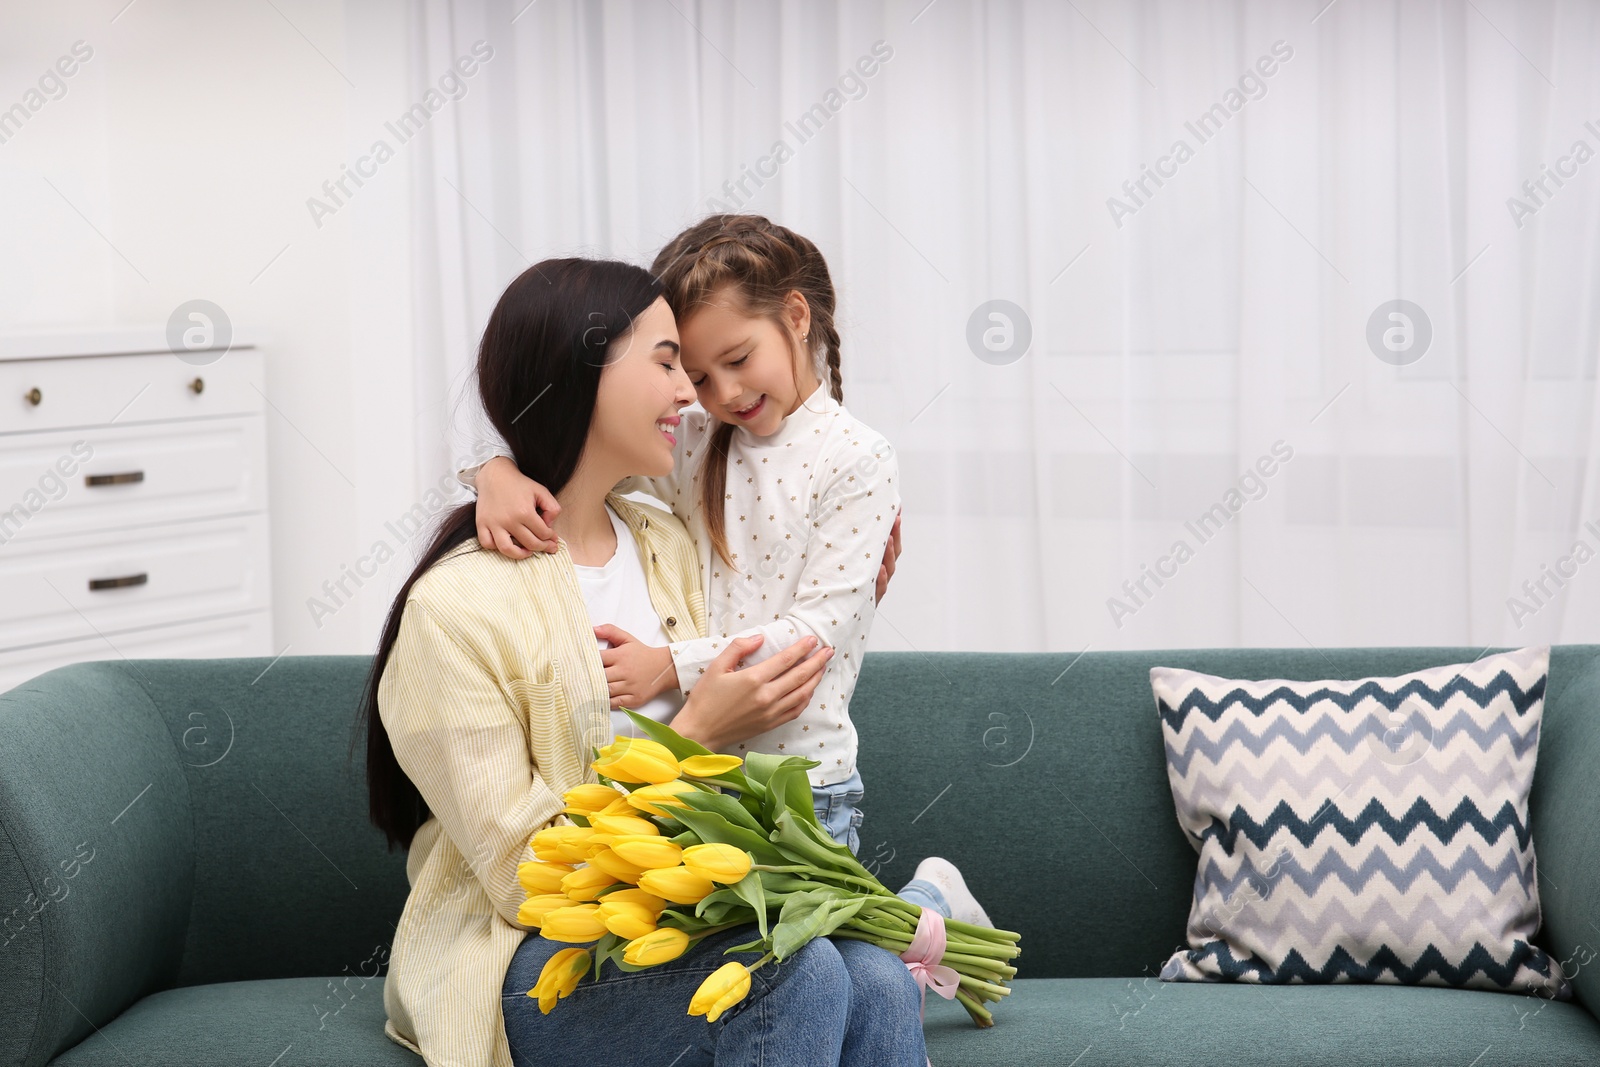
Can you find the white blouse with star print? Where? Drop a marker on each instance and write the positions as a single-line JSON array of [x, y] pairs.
[[808, 514]]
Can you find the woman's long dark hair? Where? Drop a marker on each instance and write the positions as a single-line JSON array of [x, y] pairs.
[[539, 370]]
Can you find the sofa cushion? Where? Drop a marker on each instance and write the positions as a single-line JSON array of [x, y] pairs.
[[1096, 1022], [1366, 830], [273, 1022]]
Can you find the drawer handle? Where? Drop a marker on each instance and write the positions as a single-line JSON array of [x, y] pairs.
[[33, 396], [197, 386], [125, 478], [97, 584]]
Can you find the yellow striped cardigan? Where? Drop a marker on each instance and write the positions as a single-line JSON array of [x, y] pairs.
[[492, 697]]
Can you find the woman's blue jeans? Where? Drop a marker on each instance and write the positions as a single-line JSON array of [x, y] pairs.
[[833, 1002]]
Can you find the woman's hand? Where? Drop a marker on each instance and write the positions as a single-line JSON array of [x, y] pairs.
[[730, 705], [509, 507], [891, 552]]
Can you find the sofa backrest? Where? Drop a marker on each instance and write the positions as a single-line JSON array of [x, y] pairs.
[[168, 823], [196, 821], [1043, 777]]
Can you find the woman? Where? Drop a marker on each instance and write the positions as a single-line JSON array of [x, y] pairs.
[[488, 698]]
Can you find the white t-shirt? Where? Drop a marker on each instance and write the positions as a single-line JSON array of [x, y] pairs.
[[615, 593]]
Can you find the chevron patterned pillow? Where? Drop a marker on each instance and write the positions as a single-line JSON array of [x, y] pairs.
[[1373, 830]]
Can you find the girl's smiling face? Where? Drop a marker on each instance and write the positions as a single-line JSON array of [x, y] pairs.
[[744, 368]]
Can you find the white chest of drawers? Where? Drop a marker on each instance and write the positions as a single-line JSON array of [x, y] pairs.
[[133, 502]]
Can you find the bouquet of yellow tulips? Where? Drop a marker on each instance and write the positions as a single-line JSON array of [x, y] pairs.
[[658, 855]]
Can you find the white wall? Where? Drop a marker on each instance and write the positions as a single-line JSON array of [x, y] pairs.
[[190, 141]]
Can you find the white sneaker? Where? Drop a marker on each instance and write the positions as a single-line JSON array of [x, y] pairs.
[[941, 880]]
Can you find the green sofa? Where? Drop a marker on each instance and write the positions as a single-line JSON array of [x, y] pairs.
[[188, 878]]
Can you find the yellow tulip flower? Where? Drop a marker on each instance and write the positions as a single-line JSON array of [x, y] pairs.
[[585, 883], [619, 806], [658, 946], [720, 863], [546, 844], [677, 884], [574, 845], [647, 852], [709, 766], [722, 989], [575, 923], [542, 877], [654, 904], [658, 799], [624, 824], [535, 908], [590, 797], [560, 976], [627, 919], [637, 761], [619, 869]]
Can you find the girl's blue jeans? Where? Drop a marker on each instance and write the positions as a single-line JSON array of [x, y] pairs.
[[839, 811]]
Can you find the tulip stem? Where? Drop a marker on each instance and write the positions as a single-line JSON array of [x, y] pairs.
[[988, 966], [695, 938], [969, 982], [987, 933], [984, 968], [979, 1013]]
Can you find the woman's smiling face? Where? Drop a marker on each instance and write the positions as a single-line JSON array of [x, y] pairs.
[[642, 389], [743, 367]]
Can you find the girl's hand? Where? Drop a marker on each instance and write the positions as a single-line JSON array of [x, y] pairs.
[[509, 507], [636, 673], [891, 553], [730, 705]]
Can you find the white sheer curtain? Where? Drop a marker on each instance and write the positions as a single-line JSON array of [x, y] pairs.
[[1338, 159]]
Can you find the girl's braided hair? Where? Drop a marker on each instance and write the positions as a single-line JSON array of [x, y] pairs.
[[761, 263]]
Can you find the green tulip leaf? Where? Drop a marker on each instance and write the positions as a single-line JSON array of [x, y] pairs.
[[809, 843], [723, 805], [712, 828], [789, 789], [806, 916], [758, 766], [609, 947], [716, 896], [751, 890], [727, 911]]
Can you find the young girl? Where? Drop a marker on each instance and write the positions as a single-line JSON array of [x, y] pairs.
[[789, 499]]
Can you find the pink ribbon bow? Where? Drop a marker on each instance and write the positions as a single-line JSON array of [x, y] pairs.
[[922, 959]]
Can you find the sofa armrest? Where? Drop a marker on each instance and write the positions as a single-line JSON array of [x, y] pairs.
[[96, 856], [1565, 817]]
